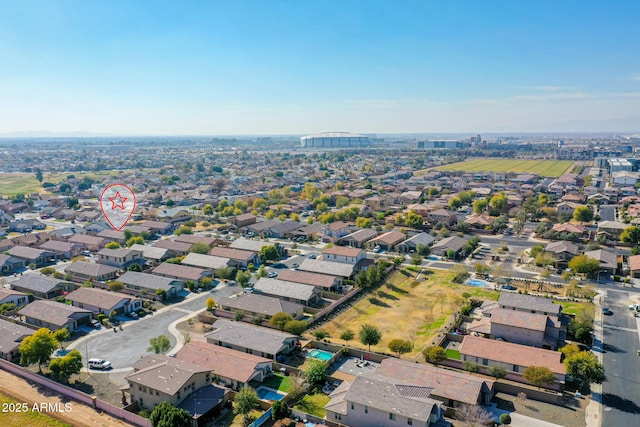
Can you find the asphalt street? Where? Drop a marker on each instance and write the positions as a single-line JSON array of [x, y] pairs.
[[124, 348], [621, 391]]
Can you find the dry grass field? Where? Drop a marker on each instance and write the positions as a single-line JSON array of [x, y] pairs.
[[406, 308], [548, 168]]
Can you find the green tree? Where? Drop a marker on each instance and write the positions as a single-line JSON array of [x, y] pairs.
[[369, 335], [480, 206], [37, 348], [416, 259], [347, 335], [245, 401], [497, 371], [280, 319], [400, 346], [211, 304], [39, 176], [69, 364], [183, 229], [167, 415], [243, 277], [585, 265], [199, 248], [585, 365], [115, 286], [363, 222], [159, 344], [581, 326], [539, 375], [295, 327], [135, 267], [269, 253], [413, 220], [262, 272], [316, 371], [434, 354], [207, 210], [320, 334], [631, 235], [569, 350], [61, 335], [583, 214], [279, 410], [499, 202], [481, 268], [113, 245], [505, 419]]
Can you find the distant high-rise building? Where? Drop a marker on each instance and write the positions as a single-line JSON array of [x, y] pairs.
[[448, 144], [476, 140]]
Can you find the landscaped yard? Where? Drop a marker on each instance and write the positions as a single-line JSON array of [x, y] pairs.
[[232, 420], [278, 382], [570, 307], [406, 308], [313, 404], [13, 418], [453, 354], [549, 168]]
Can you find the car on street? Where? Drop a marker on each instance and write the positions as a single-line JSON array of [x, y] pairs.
[[295, 265], [606, 311], [312, 256], [99, 364], [278, 265], [272, 274]]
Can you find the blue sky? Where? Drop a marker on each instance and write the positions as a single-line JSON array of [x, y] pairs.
[[288, 67]]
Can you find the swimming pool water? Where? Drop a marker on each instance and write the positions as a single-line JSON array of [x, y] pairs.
[[320, 354], [475, 282], [265, 393]]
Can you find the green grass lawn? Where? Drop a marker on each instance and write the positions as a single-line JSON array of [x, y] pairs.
[[278, 382], [570, 307], [548, 168], [24, 419], [453, 354], [313, 404]]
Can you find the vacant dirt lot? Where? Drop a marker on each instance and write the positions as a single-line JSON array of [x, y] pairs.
[[406, 308]]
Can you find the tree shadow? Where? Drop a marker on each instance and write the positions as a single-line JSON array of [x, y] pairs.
[[379, 303], [386, 295], [620, 403], [394, 288], [405, 273]]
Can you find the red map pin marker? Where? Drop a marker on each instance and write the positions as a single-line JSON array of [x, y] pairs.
[[117, 203]]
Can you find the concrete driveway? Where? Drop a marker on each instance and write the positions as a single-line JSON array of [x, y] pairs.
[[124, 348]]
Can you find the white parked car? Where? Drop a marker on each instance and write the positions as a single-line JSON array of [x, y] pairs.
[[99, 364]]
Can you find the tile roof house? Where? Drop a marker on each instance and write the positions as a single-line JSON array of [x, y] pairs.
[[448, 386], [563, 250], [113, 236], [412, 243], [182, 272], [153, 256], [206, 261], [159, 227], [453, 243], [102, 301], [254, 304], [344, 254], [238, 257], [176, 248], [11, 335], [358, 238], [10, 296], [376, 400], [252, 339], [82, 271], [514, 358], [634, 265], [532, 329], [62, 250], [121, 257], [158, 378], [39, 257], [9, 264], [337, 269], [322, 281], [193, 239], [442, 215], [150, 283], [254, 245], [54, 315], [230, 368], [92, 243], [295, 292], [41, 286], [608, 260], [387, 241]]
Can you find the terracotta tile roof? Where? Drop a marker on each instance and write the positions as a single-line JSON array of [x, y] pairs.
[[342, 251], [453, 385], [226, 362], [519, 319], [307, 278], [512, 354]]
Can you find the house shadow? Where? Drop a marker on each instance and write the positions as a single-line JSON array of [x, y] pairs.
[[620, 403], [612, 348]]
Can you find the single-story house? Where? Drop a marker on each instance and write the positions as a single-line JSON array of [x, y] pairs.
[[386, 241], [323, 281], [337, 269], [9, 264], [608, 261], [175, 248], [150, 283], [10, 296], [357, 239], [62, 250], [11, 335], [303, 294], [39, 257], [238, 257], [453, 243], [409, 245], [42, 286], [252, 339], [82, 271], [91, 243], [182, 272], [54, 315], [343, 254], [153, 256], [121, 257], [206, 261], [260, 305], [101, 301], [159, 227]]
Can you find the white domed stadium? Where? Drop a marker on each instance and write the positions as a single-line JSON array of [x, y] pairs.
[[335, 140]]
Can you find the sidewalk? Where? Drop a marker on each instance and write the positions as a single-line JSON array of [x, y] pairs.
[[593, 412]]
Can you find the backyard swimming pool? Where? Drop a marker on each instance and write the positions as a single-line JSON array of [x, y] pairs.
[[266, 393], [476, 282], [320, 354]]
